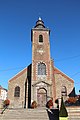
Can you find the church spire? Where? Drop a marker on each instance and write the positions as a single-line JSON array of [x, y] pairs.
[[39, 23]]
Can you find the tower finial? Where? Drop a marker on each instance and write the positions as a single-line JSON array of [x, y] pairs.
[[39, 18], [40, 23]]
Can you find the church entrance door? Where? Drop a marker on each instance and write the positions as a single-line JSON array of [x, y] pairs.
[[41, 97]]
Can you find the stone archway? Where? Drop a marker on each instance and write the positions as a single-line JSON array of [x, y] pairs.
[[41, 97]]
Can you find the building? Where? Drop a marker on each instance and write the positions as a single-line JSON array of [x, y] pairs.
[[40, 81], [3, 93]]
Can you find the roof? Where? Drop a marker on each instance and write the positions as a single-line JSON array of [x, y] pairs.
[[2, 88], [39, 23], [18, 74], [57, 71]]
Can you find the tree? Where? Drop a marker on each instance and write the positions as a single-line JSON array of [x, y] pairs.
[[63, 112]]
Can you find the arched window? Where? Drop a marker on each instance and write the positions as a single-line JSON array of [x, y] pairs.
[[17, 91], [41, 69], [40, 38], [64, 91]]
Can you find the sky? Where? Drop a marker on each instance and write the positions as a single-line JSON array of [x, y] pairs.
[[18, 17]]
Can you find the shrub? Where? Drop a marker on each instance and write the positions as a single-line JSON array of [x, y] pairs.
[[6, 102], [34, 104], [72, 99]]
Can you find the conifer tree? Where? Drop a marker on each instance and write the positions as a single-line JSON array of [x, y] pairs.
[[63, 112]]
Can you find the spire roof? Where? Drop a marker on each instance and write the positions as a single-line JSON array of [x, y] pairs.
[[39, 23]]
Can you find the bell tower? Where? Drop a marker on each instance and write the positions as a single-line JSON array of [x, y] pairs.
[[41, 81]]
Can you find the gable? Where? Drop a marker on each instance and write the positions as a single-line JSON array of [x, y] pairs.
[[41, 83], [57, 71], [18, 75]]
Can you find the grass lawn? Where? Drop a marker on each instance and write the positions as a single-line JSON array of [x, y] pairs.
[[63, 118]]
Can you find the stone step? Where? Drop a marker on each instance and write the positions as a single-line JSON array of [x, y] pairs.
[[73, 113], [30, 114], [25, 114], [35, 114]]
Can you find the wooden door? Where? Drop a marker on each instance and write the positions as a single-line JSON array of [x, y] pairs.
[[41, 97]]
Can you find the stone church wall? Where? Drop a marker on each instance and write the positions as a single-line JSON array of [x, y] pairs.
[[61, 81], [17, 102]]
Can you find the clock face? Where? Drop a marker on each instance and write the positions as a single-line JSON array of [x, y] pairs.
[[40, 51]]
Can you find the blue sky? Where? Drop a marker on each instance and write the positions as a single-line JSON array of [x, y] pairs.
[[17, 17]]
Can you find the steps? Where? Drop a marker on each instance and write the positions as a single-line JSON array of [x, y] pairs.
[[25, 114], [38, 114], [73, 113]]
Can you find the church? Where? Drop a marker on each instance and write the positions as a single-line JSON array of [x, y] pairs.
[[41, 80]]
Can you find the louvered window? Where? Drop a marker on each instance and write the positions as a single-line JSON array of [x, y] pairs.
[[40, 38], [17, 92]]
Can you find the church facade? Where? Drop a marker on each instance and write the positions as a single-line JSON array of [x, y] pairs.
[[40, 81]]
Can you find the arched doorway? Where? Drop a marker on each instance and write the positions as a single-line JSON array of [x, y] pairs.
[[41, 97]]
